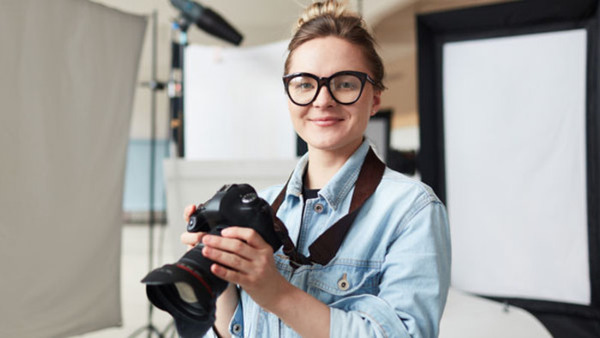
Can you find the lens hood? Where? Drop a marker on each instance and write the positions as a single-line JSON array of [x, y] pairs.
[[162, 290]]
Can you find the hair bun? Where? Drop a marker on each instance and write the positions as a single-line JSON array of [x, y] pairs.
[[331, 8]]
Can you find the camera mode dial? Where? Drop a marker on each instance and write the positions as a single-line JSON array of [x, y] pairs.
[[249, 198]]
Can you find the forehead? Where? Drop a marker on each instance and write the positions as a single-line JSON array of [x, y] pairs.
[[325, 56]]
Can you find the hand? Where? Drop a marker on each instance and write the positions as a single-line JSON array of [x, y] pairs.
[[244, 258], [190, 238]]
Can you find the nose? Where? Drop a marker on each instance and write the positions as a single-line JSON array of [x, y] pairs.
[[324, 98]]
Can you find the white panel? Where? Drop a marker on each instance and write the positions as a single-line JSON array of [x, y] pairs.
[[514, 124], [235, 104]]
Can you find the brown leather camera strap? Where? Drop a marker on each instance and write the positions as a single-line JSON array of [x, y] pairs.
[[324, 248]]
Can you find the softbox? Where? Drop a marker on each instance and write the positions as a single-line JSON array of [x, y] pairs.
[[68, 70], [509, 125]]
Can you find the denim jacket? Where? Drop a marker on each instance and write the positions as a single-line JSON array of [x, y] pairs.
[[391, 275]]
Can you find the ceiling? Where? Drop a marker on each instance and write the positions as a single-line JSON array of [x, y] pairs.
[[260, 21]]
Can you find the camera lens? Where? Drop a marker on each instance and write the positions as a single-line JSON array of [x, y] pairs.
[[186, 292], [187, 289]]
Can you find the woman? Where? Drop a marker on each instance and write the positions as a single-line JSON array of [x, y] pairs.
[[390, 275]]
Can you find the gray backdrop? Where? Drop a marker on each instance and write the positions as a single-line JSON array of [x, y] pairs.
[[67, 76]]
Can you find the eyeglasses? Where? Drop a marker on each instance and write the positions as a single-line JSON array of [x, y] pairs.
[[345, 87]]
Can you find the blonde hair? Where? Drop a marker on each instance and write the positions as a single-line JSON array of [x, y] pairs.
[[333, 8], [332, 18]]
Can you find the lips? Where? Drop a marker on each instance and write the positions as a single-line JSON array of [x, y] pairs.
[[325, 121]]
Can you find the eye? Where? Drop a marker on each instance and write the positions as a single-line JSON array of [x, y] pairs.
[[302, 83], [346, 83]]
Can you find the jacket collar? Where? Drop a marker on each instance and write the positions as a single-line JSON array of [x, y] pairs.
[[340, 185]]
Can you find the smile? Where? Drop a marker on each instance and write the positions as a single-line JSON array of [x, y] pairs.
[[325, 121]]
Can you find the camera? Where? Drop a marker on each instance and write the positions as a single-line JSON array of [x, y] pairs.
[[187, 289]]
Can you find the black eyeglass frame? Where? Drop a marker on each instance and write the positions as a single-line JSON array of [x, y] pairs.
[[324, 81]]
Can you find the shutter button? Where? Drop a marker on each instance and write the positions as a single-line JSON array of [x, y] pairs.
[[237, 328], [343, 283], [318, 208]]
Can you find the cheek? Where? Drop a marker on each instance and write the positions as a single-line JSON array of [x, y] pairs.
[[364, 122], [296, 113], [291, 107], [365, 112]]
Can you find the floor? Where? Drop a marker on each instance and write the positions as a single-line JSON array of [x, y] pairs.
[[134, 266]]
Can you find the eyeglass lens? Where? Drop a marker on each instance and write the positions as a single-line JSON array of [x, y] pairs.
[[345, 88]]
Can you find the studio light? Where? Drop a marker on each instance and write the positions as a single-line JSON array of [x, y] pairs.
[[207, 20]]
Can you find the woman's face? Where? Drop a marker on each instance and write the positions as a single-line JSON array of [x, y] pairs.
[[325, 124]]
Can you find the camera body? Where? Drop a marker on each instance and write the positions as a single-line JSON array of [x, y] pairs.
[[239, 205], [187, 289]]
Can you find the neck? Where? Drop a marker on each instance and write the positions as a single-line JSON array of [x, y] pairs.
[[324, 164]]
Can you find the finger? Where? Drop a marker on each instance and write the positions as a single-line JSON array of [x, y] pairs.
[[232, 245], [248, 235], [188, 211], [192, 238], [227, 274], [227, 259]]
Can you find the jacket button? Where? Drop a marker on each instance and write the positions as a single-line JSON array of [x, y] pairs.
[[318, 208], [237, 328], [343, 283]]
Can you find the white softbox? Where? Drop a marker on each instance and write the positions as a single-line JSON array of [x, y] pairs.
[[68, 71], [523, 100], [235, 104], [509, 123]]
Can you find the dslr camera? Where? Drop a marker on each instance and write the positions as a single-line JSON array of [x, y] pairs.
[[187, 289]]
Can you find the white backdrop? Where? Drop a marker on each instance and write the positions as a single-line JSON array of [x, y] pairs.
[[517, 196], [68, 70], [235, 104]]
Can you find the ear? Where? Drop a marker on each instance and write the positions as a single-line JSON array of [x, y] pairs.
[[376, 102]]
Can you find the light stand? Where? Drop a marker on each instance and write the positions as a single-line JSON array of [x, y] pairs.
[[175, 87], [155, 86]]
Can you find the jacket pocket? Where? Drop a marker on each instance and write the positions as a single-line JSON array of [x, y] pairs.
[[339, 280]]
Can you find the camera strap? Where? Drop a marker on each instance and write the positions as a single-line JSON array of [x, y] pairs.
[[324, 248]]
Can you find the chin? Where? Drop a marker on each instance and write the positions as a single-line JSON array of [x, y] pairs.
[[323, 143], [331, 145]]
